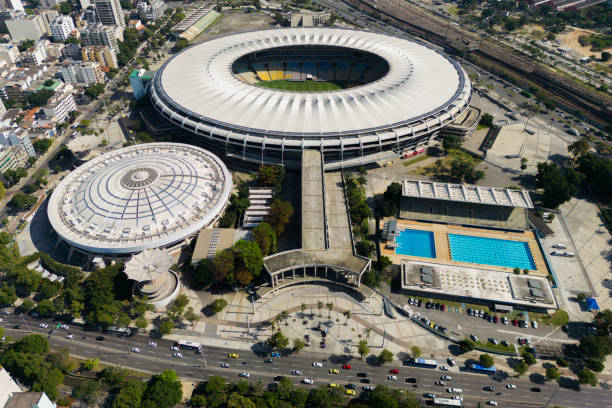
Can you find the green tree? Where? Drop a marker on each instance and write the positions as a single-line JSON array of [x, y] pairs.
[[595, 365], [26, 306], [203, 274], [65, 8], [298, 345], [248, 261], [451, 142], [529, 358], [87, 391], [2, 190], [141, 323], [581, 297], [329, 306], [486, 360], [166, 326], [277, 341], [180, 44], [123, 320], [579, 147], [42, 145], [552, 373], [557, 190], [486, 120], [95, 90], [8, 295], [90, 364], [347, 314], [191, 315], [385, 356], [587, 377], [265, 237], [129, 395], [238, 401], [520, 367], [466, 345], [363, 348], [279, 215], [39, 98], [163, 390], [594, 347], [415, 352], [218, 305], [604, 322], [46, 308], [112, 375]]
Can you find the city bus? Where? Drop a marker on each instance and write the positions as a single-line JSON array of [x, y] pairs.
[[481, 369], [447, 402], [189, 345], [423, 362], [119, 331]]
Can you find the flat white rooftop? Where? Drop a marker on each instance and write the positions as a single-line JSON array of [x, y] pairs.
[[467, 194], [476, 283]]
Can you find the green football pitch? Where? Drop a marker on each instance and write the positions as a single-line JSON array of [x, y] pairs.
[[302, 86]]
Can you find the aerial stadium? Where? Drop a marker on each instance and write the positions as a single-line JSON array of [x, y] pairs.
[[265, 96], [145, 196]]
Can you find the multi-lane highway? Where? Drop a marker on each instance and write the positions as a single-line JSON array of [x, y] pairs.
[[116, 351]]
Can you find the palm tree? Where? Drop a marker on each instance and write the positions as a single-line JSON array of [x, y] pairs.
[[319, 306], [361, 179], [347, 314], [330, 306], [367, 332]]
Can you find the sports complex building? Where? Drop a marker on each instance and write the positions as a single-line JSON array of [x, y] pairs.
[[266, 96], [153, 195], [466, 242]]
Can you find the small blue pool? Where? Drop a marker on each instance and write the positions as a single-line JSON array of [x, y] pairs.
[[490, 251], [416, 243]]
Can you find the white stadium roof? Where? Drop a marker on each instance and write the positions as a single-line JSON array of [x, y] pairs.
[[149, 265], [143, 196], [198, 83]]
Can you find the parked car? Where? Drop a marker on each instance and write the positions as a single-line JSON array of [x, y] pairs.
[[308, 381]]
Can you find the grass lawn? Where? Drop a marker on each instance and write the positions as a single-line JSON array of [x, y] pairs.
[[416, 160], [499, 348], [445, 162], [301, 86]]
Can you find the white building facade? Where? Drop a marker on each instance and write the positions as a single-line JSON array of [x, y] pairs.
[[61, 27], [59, 106]]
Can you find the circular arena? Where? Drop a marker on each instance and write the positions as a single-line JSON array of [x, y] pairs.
[[145, 196], [357, 96]]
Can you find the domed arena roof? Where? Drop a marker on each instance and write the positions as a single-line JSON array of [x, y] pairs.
[[143, 196], [149, 265]]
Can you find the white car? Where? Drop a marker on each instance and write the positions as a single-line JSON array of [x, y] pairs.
[[64, 326], [70, 336], [152, 344], [225, 365], [317, 364], [457, 397], [534, 324], [296, 372], [492, 403], [511, 386], [174, 348], [392, 377], [444, 368], [368, 388], [504, 320], [43, 325], [446, 378], [308, 381], [177, 355], [244, 374], [135, 350]]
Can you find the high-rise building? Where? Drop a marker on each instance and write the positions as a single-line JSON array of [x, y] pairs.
[[85, 4], [37, 54], [109, 12], [47, 17], [12, 157], [153, 11], [140, 80], [99, 34], [61, 27], [15, 5], [86, 72], [48, 4], [59, 106], [9, 53], [25, 27], [102, 54], [17, 137]]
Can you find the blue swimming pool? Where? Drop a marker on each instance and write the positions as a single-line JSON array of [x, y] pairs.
[[490, 251], [416, 243]]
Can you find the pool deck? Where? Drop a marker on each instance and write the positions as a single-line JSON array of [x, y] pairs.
[[443, 256]]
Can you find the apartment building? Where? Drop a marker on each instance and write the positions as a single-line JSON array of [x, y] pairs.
[[106, 56], [153, 11], [98, 34], [9, 53], [17, 137], [85, 73], [25, 27], [109, 12], [59, 106], [61, 27]]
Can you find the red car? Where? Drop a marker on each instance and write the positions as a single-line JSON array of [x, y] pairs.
[[495, 319], [394, 371], [443, 308], [346, 367], [515, 322]]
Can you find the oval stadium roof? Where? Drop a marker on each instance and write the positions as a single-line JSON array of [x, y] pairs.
[[421, 82], [143, 196]]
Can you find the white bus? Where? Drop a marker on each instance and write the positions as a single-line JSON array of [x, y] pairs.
[[120, 331], [190, 345], [447, 402]]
